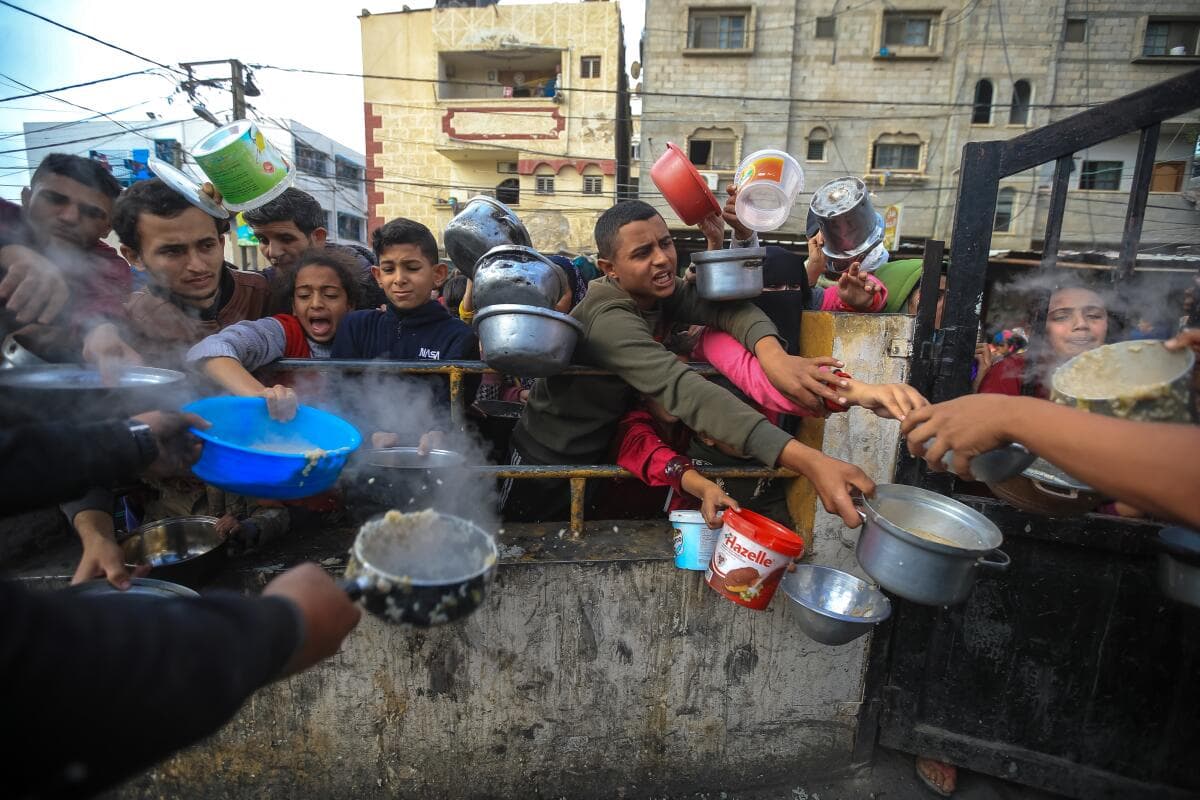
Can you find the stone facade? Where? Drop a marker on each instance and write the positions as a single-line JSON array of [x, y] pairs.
[[823, 72], [523, 103]]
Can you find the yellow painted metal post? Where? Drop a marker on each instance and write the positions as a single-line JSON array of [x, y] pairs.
[[816, 339], [578, 485], [456, 402]]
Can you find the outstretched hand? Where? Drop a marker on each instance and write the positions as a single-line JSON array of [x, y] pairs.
[[968, 425], [855, 289], [729, 214]]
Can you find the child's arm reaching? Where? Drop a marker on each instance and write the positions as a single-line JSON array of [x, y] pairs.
[[886, 400], [228, 357]]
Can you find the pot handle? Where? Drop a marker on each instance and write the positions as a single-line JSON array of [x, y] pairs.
[[352, 587], [856, 497], [999, 564], [1054, 491]]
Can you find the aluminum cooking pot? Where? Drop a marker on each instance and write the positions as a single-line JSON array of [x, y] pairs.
[[484, 223], [733, 274], [1139, 380], [851, 225], [400, 477], [527, 341], [515, 274], [1043, 488], [926, 547]]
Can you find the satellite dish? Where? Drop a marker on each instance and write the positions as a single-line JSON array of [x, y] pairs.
[[635, 70]]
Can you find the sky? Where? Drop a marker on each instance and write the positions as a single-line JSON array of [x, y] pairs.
[[324, 36]]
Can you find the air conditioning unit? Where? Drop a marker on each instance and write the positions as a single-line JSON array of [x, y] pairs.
[[711, 178]]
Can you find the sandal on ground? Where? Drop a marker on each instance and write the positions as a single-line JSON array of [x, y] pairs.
[[940, 777]]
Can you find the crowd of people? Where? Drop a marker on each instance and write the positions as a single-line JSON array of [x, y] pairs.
[[68, 296]]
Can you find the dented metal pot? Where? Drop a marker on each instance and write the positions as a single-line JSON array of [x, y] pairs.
[[516, 274], [851, 225], [483, 224]]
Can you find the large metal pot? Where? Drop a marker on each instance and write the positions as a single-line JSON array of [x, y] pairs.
[[515, 274], [420, 569], [926, 547], [54, 391], [1139, 380], [484, 223], [734, 274], [186, 550], [401, 478], [527, 341], [851, 225], [1043, 488]]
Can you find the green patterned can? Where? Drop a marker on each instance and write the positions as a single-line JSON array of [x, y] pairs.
[[246, 169]]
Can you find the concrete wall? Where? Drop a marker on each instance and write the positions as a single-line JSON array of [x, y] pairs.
[[595, 670]]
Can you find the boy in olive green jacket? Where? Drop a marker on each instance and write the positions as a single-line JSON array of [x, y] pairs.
[[571, 419]]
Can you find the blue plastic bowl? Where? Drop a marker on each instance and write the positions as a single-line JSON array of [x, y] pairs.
[[235, 456]]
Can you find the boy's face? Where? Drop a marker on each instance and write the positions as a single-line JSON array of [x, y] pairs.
[[319, 301], [406, 276], [182, 254], [282, 242], [643, 261], [67, 211]]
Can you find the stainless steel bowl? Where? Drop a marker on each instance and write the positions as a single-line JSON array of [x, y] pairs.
[[734, 274], [520, 275], [834, 607], [187, 550], [483, 223], [527, 341], [851, 226]]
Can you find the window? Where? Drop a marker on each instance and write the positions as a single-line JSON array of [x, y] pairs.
[[314, 162], [350, 227], [506, 167], [509, 192], [1018, 112], [981, 111], [1101, 175], [635, 151], [1075, 30], [908, 30], [712, 153], [816, 145], [717, 30], [589, 67], [826, 27], [593, 184], [1172, 37], [544, 184], [897, 153], [1167, 176], [1004, 209], [349, 174]]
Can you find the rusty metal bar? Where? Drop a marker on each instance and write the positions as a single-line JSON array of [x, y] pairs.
[[612, 471], [456, 402], [427, 367], [578, 492]]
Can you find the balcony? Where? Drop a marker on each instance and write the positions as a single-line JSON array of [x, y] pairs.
[[510, 74]]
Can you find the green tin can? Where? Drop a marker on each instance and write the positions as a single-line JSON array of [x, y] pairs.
[[246, 169]]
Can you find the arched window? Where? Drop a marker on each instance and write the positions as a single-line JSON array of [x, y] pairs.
[[817, 138], [981, 113], [509, 192], [1005, 204], [1018, 113], [713, 148]]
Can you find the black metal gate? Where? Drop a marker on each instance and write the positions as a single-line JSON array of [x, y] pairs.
[[1071, 672]]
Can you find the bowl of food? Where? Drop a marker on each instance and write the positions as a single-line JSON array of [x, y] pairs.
[[247, 452], [186, 550], [834, 607]]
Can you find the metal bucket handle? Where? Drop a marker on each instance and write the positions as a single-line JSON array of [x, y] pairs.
[[1000, 562], [1065, 493]]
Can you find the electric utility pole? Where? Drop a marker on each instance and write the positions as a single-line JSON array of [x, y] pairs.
[[241, 86]]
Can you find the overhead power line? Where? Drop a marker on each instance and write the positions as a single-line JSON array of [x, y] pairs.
[[74, 85]]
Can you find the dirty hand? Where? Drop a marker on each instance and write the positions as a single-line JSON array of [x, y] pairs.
[[104, 347], [833, 480], [429, 442], [855, 289], [729, 214], [281, 402], [802, 379], [383, 439], [713, 228], [1185, 338], [983, 358], [713, 499], [968, 425], [210, 190], [102, 556], [327, 613], [178, 447], [32, 287], [816, 263], [227, 525], [886, 400]]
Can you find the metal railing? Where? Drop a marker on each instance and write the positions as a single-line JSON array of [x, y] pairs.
[[577, 474]]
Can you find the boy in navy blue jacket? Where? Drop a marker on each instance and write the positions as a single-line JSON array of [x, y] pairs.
[[414, 327]]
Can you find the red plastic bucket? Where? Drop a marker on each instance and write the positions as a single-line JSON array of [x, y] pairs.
[[753, 554], [682, 187]]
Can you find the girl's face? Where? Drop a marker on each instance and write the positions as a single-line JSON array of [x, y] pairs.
[[1076, 322], [319, 301]]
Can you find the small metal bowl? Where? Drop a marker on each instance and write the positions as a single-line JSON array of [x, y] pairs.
[[834, 607], [527, 341], [185, 550]]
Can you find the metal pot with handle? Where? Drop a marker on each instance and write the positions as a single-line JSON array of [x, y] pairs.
[[1139, 380], [925, 547]]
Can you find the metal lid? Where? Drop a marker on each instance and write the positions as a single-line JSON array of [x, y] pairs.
[[185, 185], [142, 587]]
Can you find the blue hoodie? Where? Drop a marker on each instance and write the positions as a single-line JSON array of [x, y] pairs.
[[427, 333]]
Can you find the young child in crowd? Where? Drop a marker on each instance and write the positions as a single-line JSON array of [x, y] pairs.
[[572, 419], [414, 327]]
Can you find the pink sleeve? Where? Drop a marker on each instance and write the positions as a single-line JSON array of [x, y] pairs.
[[740, 366], [831, 301]]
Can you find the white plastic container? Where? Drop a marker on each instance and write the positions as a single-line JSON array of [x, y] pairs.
[[768, 182]]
